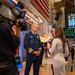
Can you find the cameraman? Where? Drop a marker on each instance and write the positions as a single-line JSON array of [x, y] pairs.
[[9, 42]]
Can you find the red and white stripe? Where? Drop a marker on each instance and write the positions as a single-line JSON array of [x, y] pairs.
[[44, 5], [47, 4]]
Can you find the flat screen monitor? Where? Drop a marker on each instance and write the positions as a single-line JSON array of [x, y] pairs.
[[69, 32]]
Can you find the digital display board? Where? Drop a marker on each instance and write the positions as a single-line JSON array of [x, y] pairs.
[[69, 32]]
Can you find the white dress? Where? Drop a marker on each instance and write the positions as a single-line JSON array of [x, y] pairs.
[[57, 57]]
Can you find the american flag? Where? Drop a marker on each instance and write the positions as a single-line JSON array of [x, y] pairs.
[[44, 5]]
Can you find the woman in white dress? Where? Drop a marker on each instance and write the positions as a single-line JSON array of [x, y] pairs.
[[57, 50]]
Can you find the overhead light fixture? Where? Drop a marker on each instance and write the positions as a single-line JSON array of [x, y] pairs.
[[16, 4], [14, 1], [32, 19], [57, 0]]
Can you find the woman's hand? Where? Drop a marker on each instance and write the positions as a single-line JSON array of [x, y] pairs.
[[48, 45]]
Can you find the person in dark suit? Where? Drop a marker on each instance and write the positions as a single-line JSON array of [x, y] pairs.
[[32, 45]]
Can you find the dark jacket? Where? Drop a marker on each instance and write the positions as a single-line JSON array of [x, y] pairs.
[[8, 41], [32, 43]]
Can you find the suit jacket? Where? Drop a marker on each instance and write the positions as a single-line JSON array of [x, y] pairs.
[[32, 43]]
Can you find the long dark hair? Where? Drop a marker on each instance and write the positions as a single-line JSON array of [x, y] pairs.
[[59, 33]]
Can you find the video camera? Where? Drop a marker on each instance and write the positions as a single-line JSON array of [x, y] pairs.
[[20, 16], [13, 16]]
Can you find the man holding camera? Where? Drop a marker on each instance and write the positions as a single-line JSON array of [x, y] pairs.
[[9, 42]]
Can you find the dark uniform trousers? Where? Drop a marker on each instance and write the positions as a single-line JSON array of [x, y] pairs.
[[36, 66]]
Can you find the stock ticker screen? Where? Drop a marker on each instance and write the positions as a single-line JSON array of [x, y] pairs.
[[69, 32]]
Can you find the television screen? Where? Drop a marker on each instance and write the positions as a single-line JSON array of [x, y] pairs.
[[69, 32], [71, 20]]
